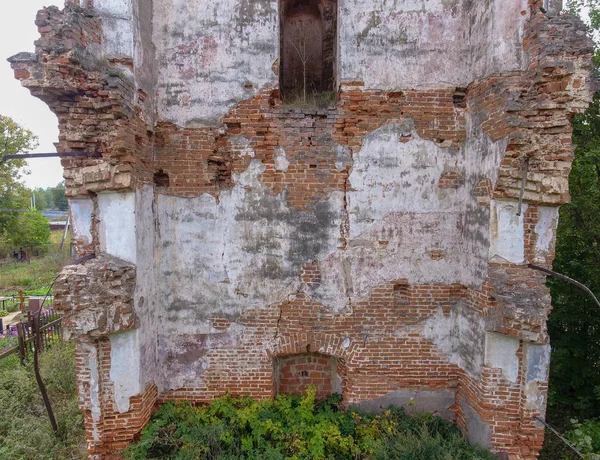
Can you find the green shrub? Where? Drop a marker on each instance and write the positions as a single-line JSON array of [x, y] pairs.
[[25, 431], [291, 427], [3, 313], [585, 436]]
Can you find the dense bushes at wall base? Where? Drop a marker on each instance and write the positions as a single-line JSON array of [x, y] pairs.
[[291, 427]]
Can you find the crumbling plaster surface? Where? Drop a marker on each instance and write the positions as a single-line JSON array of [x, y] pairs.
[[81, 218], [497, 32], [144, 60], [125, 367], [93, 386], [117, 23], [545, 231], [247, 249], [117, 225], [478, 432], [212, 55], [507, 232], [145, 296], [244, 251], [460, 335], [538, 367], [501, 353]]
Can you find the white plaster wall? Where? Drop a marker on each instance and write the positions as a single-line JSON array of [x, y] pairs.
[[538, 367], [545, 231], [145, 295], [460, 336], [507, 232], [125, 367], [501, 353], [497, 32], [408, 44], [116, 212], [211, 55], [117, 26], [81, 219], [93, 387], [244, 252]]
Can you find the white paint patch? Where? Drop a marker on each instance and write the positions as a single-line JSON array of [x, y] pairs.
[[81, 219], [429, 43], [545, 231], [538, 366], [244, 252], [117, 225], [281, 161], [507, 231], [125, 367], [538, 362], [92, 365], [116, 26], [212, 55], [501, 353], [460, 336], [241, 146], [389, 176]]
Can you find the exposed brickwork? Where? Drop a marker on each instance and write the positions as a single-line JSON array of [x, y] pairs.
[[397, 338], [109, 431], [202, 160], [97, 297], [296, 373], [452, 179], [94, 106]]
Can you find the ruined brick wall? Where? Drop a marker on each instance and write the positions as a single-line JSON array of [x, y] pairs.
[[238, 240]]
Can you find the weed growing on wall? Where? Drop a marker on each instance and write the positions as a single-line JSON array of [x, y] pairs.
[[292, 427]]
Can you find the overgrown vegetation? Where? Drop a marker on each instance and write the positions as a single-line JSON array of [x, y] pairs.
[[25, 432], [291, 427], [585, 436], [34, 277], [312, 101]]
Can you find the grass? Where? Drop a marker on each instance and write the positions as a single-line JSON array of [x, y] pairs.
[[25, 431], [314, 100], [34, 277]]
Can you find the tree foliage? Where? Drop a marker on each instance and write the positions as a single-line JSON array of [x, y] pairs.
[[13, 195], [33, 231], [574, 324]]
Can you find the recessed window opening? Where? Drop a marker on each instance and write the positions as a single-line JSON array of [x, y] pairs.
[[308, 44]]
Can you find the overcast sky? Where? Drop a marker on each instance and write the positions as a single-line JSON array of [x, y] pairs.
[[17, 33]]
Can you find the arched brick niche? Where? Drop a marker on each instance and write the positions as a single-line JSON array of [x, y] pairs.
[[308, 46], [293, 374]]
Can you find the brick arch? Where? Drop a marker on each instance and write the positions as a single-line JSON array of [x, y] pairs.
[[336, 346]]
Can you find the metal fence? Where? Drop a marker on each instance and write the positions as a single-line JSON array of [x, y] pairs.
[[23, 334]]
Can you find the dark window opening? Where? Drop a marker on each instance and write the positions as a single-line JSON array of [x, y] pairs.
[[401, 293], [161, 178], [308, 44]]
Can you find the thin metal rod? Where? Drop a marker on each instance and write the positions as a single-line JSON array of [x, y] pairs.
[[50, 155], [523, 184], [541, 420], [581, 287]]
